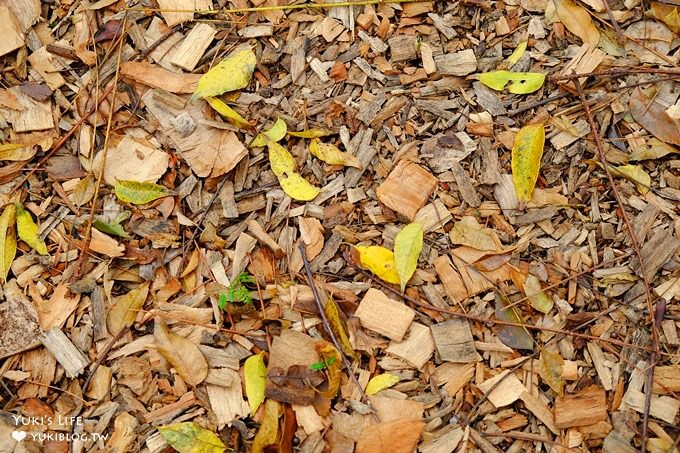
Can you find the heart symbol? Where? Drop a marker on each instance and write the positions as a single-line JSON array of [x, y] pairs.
[[19, 435]]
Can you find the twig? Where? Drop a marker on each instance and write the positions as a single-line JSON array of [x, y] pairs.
[[636, 247], [327, 326], [615, 24], [102, 356], [614, 72]]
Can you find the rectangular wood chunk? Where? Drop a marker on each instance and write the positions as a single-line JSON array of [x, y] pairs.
[[383, 315], [454, 341], [587, 407]]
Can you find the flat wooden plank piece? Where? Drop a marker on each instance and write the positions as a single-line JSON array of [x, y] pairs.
[[407, 188], [587, 407], [454, 341], [383, 315]]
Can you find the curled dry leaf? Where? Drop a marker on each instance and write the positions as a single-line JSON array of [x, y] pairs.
[[331, 357], [467, 231], [228, 113], [550, 366], [84, 191], [378, 260], [181, 353], [28, 230], [381, 382], [526, 159], [338, 328], [8, 241], [578, 21], [189, 437], [407, 247], [330, 154], [652, 115], [232, 73], [125, 309], [255, 376]]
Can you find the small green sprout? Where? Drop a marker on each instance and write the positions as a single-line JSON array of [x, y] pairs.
[[318, 366], [238, 291]]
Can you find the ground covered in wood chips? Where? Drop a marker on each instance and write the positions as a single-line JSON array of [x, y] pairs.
[[277, 225]]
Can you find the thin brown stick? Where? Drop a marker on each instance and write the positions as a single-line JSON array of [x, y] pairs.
[[614, 72], [327, 326], [636, 247], [102, 356], [617, 28]]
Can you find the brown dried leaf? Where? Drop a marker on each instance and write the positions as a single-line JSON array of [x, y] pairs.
[[181, 353], [125, 309], [513, 336], [651, 115]]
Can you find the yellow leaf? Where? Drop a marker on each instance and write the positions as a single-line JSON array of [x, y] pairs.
[[255, 376], [28, 230], [467, 231], [407, 247], [331, 357], [189, 437], [526, 159], [550, 366], [273, 134], [228, 113], [653, 149], [8, 240], [517, 54], [126, 308], [139, 192], [232, 73], [635, 174], [338, 328], [381, 382], [269, 429], [181, 353], [297, 187], [310, 133], [84, 191], [16, 152], [538, 298], [280, 160], [330, 154], [378, 260], [578, 21], [668, 14], [520, 82]]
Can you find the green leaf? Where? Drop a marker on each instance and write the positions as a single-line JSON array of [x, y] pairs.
[[189, 437], [229, 113], [514, 336], [230, 74], [273, 134], [28, 230], [381, 382], [8, 240], [526, 159], [140, 192], [318, 366], [255, 376], [407, 247], [520, 82], [110, 228]]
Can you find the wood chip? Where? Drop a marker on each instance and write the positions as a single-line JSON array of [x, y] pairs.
[[383, 315]]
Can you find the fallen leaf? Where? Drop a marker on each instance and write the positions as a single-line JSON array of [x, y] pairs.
[[110, 228], [378, 260], [333, 314], [139, 192], [131, 161], [514, 336], [189, 437], [467, 231], [668, 14], [16, 152], [126, 308], [28, 230], [8, 241], [330, 154], [407, 247], [228, 113], [331, 357], [232, 73], [398, 436], [181, 353], [634, 173], [297, 187], [273, 134], [84, 191], [269, 428], [381, 382], [520, 82], [578, 21], [310, 133], [517, 53], [651, 115], [526, 159], [280, 160], [653, 149], [538, 298], [255, 376], [550, 366]]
